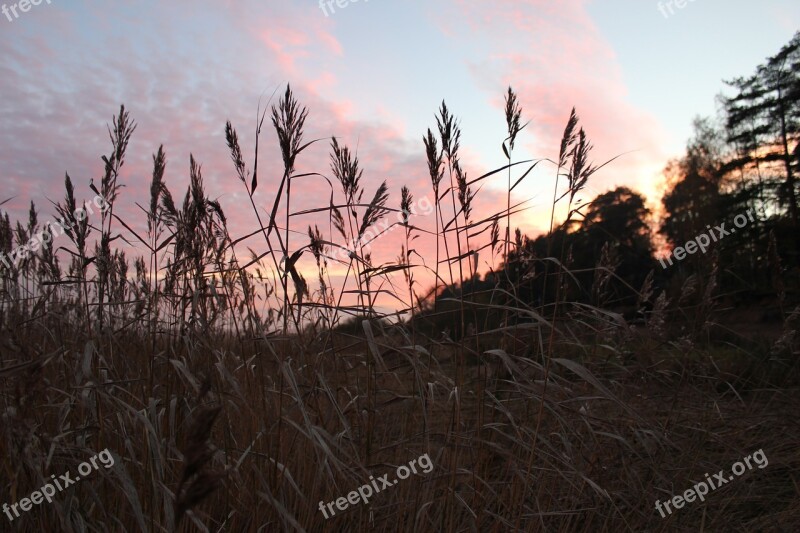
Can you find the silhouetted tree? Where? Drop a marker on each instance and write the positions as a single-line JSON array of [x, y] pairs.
[[693, 202], [621, 219], [763, 122], [616, 220]]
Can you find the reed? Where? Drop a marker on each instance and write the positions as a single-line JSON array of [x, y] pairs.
[[235, 399]]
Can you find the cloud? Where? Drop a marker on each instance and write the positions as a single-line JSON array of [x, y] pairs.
[[183, 69], [555, 58]]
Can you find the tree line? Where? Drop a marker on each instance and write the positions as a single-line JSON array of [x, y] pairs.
[[745, 159]]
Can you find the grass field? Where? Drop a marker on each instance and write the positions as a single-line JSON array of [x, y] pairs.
[[236, 395]]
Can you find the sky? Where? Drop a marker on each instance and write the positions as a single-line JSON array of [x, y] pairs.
[[372, 73]]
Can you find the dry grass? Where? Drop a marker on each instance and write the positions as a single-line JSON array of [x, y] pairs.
[[232, 402]]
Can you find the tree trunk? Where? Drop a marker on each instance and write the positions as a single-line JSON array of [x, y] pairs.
[[789, 174]]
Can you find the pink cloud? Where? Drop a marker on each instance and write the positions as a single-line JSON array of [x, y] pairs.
[[181, 89], [555, 58]]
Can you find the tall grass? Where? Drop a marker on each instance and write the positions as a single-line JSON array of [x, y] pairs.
[[236, 395]]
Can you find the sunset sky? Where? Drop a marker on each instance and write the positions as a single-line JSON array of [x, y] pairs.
[[373, 74]]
